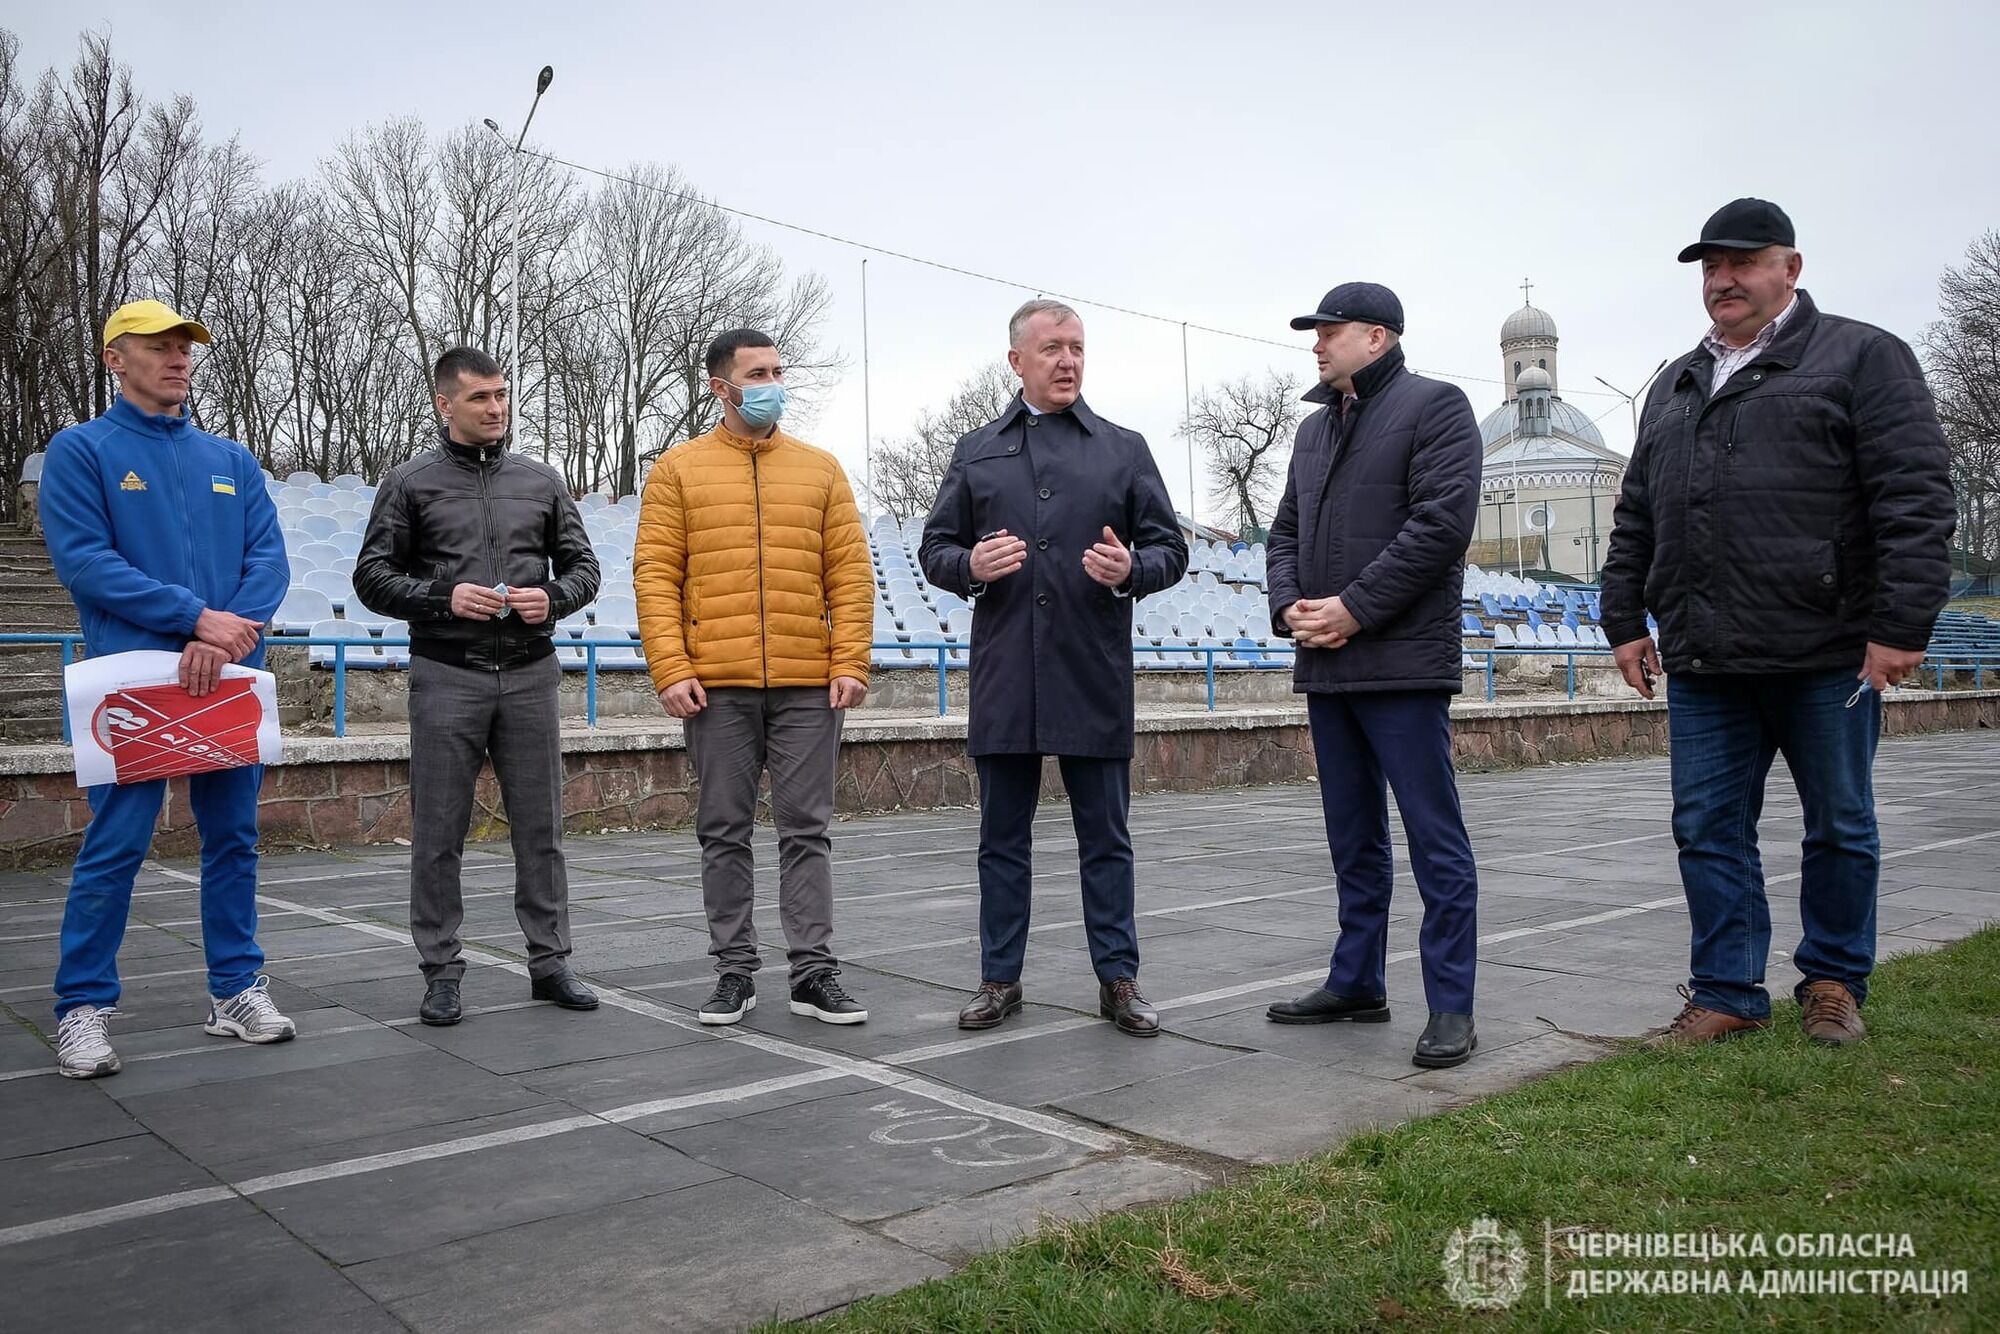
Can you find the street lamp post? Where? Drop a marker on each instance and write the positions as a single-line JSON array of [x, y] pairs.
[[1632, 400], [542, 81]]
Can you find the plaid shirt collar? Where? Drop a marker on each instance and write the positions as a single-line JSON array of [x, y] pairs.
[[1729, 360]]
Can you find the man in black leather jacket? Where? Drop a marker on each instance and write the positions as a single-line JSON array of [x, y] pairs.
[[460, 545]]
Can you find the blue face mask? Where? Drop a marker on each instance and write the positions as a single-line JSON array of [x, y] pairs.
[[762, 404]]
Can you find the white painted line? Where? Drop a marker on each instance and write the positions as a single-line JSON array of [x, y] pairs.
[[117, 1213], [937, 1051], [740, 1093], [423, 1153]]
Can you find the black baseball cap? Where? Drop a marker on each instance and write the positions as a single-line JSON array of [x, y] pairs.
[[1356, 303], [1743, 224]]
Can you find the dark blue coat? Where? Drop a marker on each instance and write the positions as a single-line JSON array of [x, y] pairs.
[[1379, 510], [1052, 647]]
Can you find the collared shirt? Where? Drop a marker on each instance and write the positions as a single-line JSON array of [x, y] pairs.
[[1729, 360]]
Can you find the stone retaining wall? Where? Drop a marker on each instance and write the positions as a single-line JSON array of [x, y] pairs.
[[355, 790]]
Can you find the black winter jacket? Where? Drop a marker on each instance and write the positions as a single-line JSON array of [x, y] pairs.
[[1788, 521], [458, 514], [1379, 510]]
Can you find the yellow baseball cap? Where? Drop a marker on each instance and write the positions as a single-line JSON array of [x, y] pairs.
[[150, 317]]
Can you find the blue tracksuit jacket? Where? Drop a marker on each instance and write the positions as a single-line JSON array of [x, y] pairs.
[[150, 521]]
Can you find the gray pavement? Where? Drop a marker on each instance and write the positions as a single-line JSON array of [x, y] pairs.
[[629, 1169]]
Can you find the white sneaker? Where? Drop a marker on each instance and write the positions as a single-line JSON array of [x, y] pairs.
[[83, 1048], [249, 1015]]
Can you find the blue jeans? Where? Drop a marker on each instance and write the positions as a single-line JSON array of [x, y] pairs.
[[1725, 732], [1365, 744], [116, 842]]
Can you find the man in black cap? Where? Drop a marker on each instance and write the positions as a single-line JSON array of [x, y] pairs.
[[1787, 517], [1366, 565]]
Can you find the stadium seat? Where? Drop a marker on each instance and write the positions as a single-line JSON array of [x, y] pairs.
[[302, 609], [394, 655], [337, 587], [360, 651]]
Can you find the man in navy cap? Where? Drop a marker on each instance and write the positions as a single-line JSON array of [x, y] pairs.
[[1367, 559], [1787, 518]]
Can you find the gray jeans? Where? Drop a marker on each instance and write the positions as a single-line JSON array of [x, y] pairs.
[[795, 734], [458, 718]]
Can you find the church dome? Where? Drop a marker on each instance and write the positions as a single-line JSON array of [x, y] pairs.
[[1528, 322], [1533, 377], [1564, 419]]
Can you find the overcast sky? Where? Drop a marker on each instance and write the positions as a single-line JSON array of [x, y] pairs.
[[1222, 164]]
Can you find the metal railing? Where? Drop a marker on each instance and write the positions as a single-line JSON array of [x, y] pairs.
[[1235, 659]]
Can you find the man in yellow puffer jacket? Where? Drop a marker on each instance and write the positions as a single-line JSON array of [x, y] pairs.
[[756, 603]]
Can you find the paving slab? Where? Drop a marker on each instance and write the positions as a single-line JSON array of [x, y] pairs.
[[45, 1115], [226, 1125], [1258, 1108], [223, 1268], [40, 1186], [1381, 1050], [446, 1199], [509, 1041], [1031, 1073], [875, 1153], [712, 1257]]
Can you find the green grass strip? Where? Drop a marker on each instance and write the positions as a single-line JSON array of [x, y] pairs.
[[1764, 1136]]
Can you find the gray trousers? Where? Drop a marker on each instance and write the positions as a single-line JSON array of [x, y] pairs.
[[793, 733], [458, 718]]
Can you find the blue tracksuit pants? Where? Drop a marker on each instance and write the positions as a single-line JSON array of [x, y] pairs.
[[100, 888]]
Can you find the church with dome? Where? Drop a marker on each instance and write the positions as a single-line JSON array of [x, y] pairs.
[[1549, 481]]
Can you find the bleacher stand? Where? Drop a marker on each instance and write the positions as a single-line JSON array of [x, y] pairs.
[[1220, 604]]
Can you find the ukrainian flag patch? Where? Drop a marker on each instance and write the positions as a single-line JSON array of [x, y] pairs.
[[222, 485]]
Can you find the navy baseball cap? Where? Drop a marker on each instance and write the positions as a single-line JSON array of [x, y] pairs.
[[1356, 303], [1743, 224]]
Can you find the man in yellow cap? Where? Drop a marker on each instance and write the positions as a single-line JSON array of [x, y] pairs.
[[166, 538]]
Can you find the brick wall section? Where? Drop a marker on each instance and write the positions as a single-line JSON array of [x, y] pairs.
[[334, 793]]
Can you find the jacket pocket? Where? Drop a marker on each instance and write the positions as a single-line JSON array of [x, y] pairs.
[[1824, 592]]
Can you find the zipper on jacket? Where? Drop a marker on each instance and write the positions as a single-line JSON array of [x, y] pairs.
[[189, 520], [492, 557], [757, 501]]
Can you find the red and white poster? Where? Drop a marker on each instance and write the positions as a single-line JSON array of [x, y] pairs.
[[131, 721]]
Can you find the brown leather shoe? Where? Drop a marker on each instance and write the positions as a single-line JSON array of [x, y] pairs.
[[1122, 1004], [1829, 1014], [993, 1002], [1697, 1024]]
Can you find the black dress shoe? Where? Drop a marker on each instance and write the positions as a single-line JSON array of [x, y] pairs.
[[993, 1002], [564, 989], [1320, 1006], [1121, 1003], [440, 1008], [1447, 1041]]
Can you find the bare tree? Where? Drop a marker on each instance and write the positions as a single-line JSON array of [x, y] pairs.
[[905, 473], [1245, 429], [674, 272], [1963, 352], [330, 297]]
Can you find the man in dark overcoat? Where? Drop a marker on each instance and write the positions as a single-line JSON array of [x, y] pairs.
[[1051, 520]]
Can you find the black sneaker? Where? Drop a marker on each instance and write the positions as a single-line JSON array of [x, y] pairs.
[[822, 997], [735, 995]]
